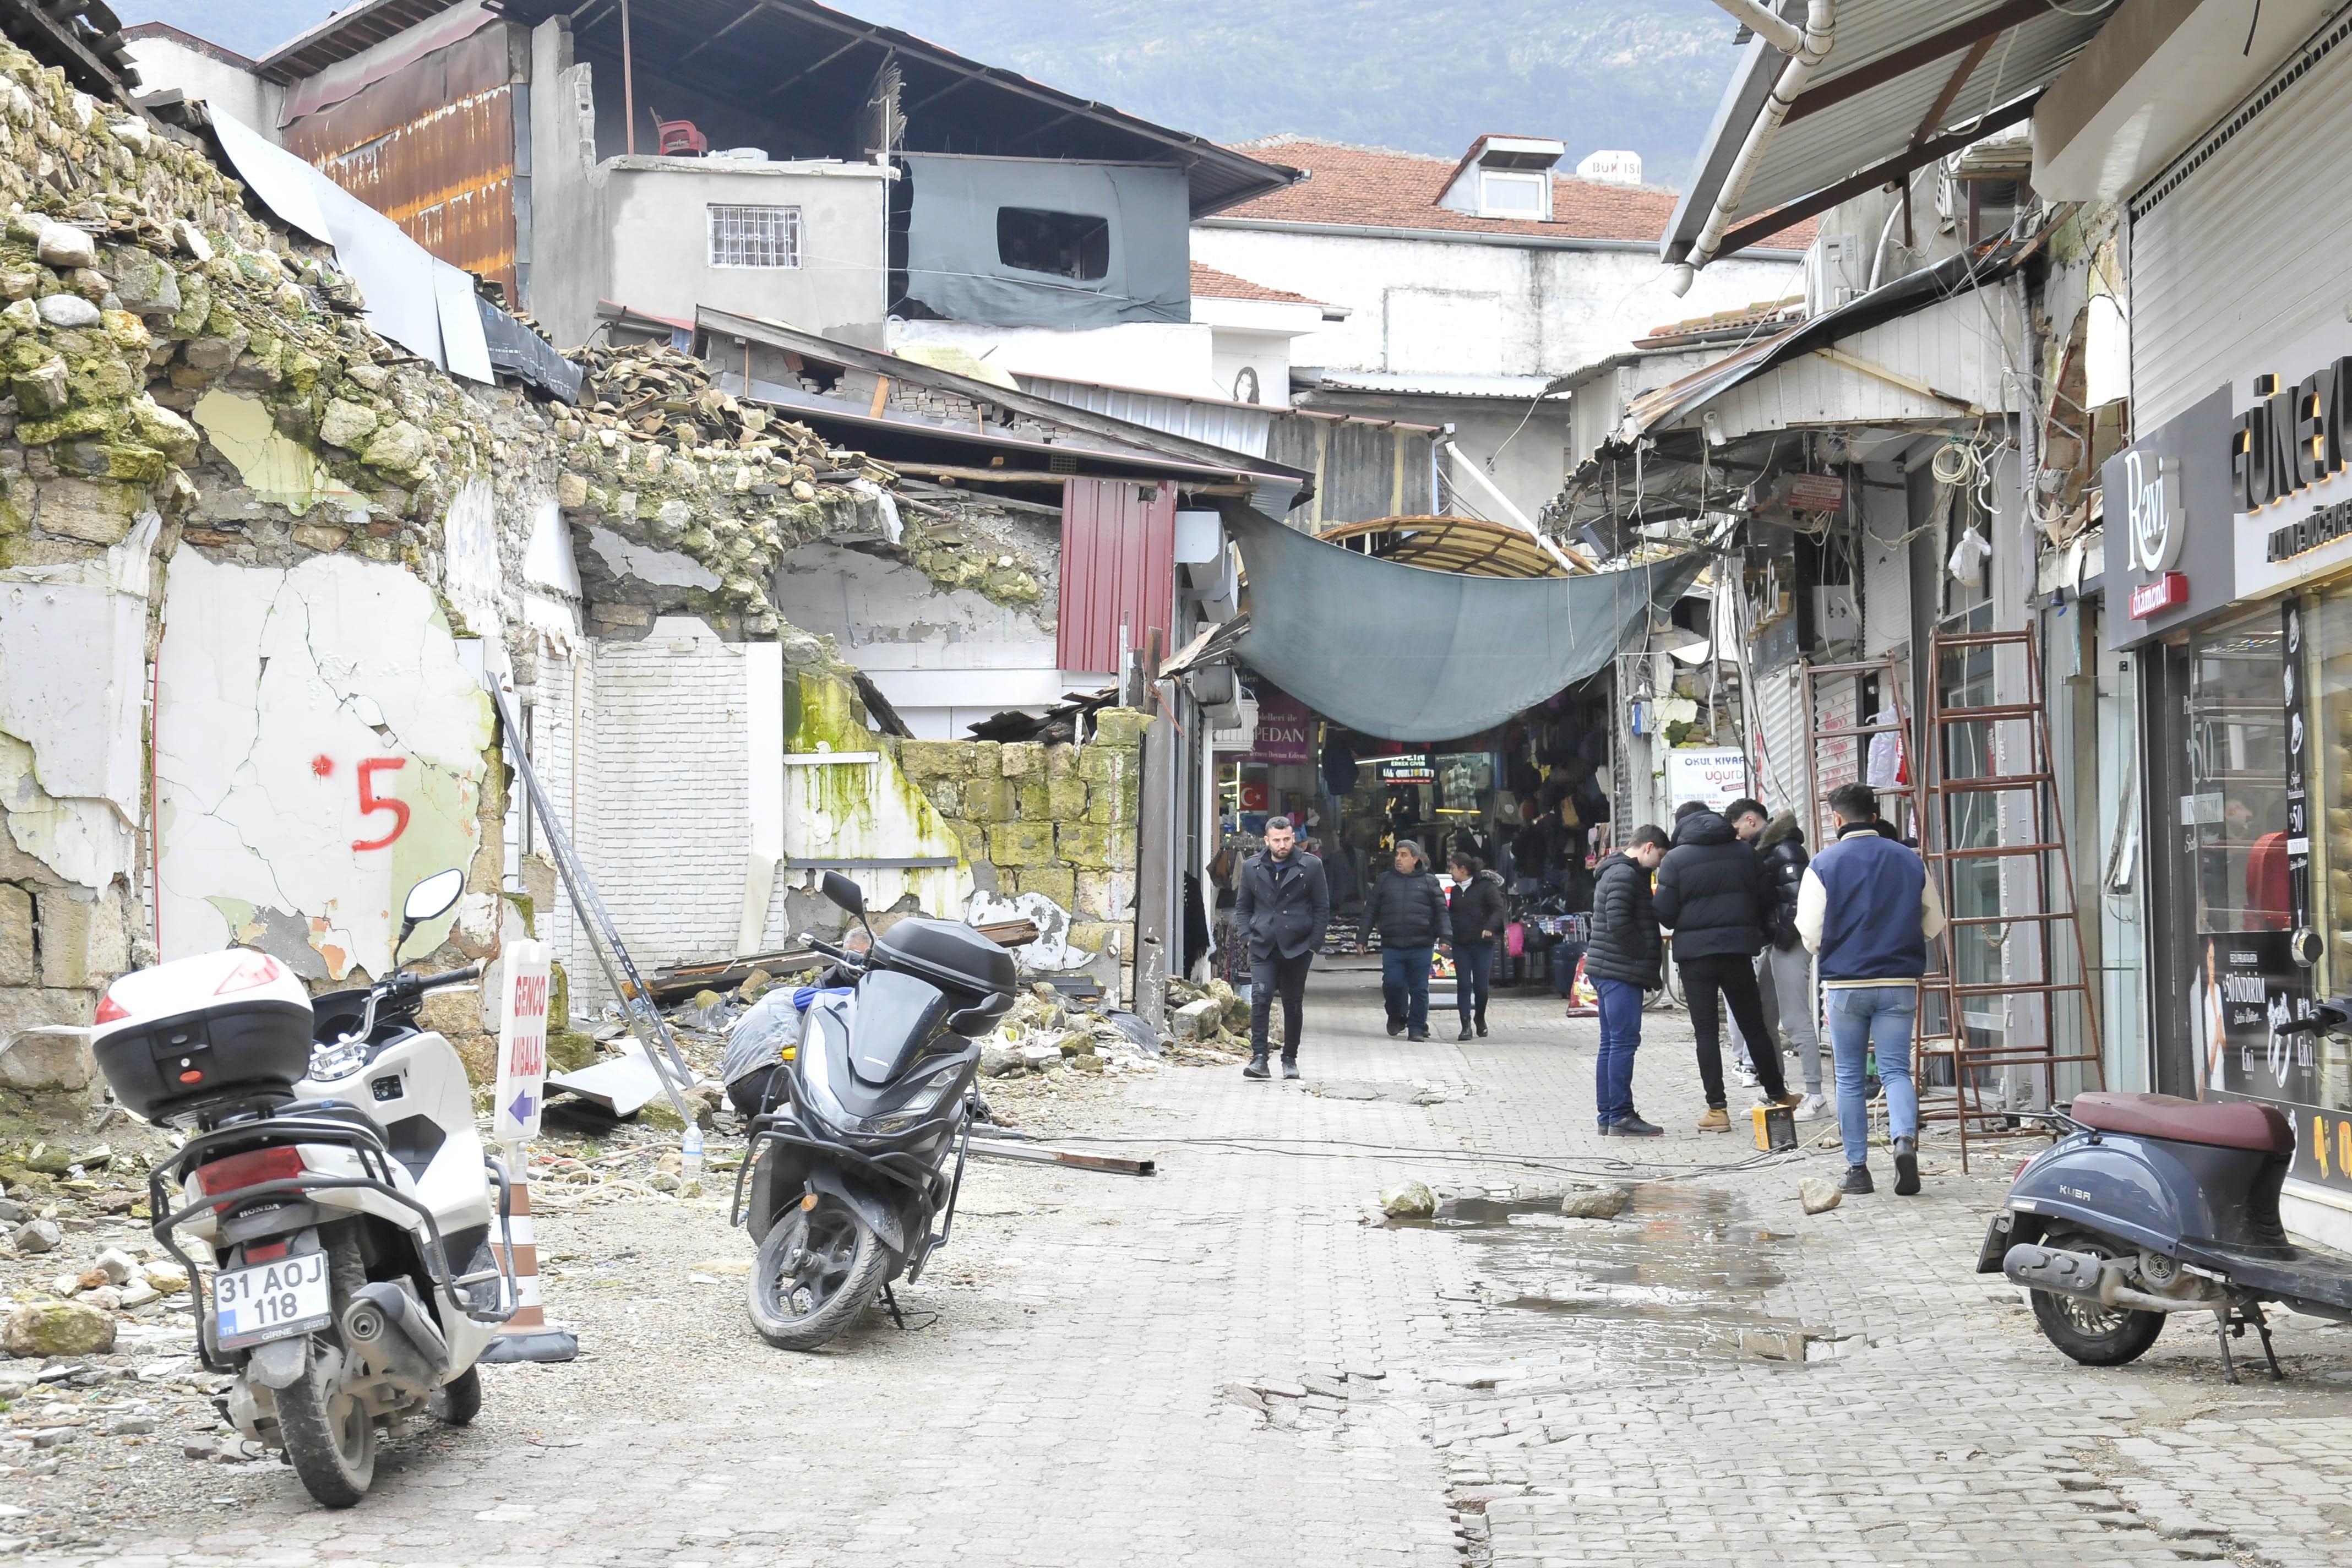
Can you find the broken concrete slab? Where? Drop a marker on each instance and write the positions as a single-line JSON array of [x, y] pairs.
[[623, 1086]]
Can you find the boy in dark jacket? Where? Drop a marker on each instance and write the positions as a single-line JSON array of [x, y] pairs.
[[1475, 905], [1408, 910], [1622, 962], [1711, 893], [1280, 907]]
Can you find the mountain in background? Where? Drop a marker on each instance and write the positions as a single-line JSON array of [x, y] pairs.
[[1430, 78]]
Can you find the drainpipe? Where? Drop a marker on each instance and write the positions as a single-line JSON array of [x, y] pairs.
[[1806, 49], [629, 89]]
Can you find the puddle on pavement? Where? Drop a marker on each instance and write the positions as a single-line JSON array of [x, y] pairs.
[[1675, 1281]]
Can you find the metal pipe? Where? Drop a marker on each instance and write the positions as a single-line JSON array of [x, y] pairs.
[[1766, 23], [628, 81], [1813, 46]]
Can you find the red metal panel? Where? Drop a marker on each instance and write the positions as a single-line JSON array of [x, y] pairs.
[[1118, 566]]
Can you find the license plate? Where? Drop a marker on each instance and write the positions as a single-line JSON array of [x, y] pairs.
[[271, 1301]]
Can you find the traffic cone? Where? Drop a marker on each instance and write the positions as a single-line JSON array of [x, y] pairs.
[[526, 1336]]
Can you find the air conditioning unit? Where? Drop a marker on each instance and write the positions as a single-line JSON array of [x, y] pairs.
[[1834, 272], [1240, 737]]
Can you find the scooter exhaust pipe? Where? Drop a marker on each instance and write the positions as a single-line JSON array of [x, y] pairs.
[[387, 1328], [2089, 1278]]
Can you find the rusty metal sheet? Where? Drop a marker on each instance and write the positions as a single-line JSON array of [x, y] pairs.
[[1118, 571], [432, 147]]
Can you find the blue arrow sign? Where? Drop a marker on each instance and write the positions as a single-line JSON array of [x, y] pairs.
[[521, 1109]]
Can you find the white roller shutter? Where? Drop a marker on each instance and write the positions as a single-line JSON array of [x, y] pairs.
[[2238, 248], [1777, 756]]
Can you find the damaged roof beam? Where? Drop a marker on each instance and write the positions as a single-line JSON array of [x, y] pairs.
[[749, 12], [1895, 168]]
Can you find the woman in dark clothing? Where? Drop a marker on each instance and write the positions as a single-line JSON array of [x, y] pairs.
[[1712, 893], [1409, 911], [1475, 906]]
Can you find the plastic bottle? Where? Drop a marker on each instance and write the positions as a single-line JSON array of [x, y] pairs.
[[690, 1155]]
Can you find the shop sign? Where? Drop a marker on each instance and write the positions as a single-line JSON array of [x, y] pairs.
[[1715, 774], [2169, 497], [1285, 730], [1408, 770], [2167, 592]]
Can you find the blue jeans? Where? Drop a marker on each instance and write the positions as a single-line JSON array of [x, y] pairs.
[[1864, 1017], [1405, 986], [1474, 975], [1621, 1036]]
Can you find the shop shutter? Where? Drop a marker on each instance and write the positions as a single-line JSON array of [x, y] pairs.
[[1119, 568], [1779, 764], [2237, 248]]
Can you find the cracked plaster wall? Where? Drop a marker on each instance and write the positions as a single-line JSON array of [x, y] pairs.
[[209, 461]]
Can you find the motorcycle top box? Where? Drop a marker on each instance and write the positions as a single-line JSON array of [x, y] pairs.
[[201, 1030], [948, 954]]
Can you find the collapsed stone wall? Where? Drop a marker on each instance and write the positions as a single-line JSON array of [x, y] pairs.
[[1056, 821], [188, 385]]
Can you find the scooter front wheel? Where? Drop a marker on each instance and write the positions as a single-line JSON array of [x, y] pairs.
[[815, 1271], [2085, 1330], [329, 1437]]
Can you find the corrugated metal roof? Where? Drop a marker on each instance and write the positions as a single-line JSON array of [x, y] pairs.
[[1898, 73], [1428, 384], [1236, 426], [1118, 571]]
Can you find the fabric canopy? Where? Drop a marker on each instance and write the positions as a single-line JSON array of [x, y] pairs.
[[1409, 653]]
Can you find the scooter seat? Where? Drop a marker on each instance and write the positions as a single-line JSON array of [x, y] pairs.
[[2223, 1125]]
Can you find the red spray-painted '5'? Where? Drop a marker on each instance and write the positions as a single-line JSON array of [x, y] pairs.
[[371, 802]]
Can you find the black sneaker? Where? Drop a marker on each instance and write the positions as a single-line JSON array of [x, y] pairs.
[[1417, 1034], [1464, 1034], [1395, 1029], [1289, 1069], [1630, 1126], [1906, 1167], [1857, 1180], [1256, 1068]]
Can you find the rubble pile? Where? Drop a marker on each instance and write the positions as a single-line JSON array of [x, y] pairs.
[[1048, 1036], [1210, 1023], [659, 395]]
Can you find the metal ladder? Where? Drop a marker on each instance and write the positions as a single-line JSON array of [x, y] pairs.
[[1961, 778]]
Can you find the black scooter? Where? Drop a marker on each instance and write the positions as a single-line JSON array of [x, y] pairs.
[[847, 1176], [2150, 1204]]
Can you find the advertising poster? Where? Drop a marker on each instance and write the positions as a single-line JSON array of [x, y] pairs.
[[1285, 730], [1715, 774]]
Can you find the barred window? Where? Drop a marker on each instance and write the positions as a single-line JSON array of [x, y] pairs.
[[755, 236]]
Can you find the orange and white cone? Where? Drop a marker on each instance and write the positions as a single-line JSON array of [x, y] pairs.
[[527, 1335]]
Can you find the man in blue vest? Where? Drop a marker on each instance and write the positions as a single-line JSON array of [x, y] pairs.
[[1867, 909]]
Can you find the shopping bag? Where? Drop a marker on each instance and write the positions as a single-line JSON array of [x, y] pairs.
[[1515, 939]]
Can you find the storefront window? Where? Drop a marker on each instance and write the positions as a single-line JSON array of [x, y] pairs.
[[2234, 818], [2327, 638]]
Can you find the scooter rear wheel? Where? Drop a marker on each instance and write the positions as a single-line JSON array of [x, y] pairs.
[[460, 1400], [2090, 1334], [329, 1437], [815, 1271]]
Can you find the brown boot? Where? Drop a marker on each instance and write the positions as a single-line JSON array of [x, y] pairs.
[[1718, 1119]]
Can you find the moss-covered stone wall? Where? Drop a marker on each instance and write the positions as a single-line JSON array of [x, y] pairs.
[[1057, 820]]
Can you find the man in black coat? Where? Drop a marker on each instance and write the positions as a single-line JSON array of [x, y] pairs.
[[1713, 895], [1280, 909], [1622, 962], [1407, 909]]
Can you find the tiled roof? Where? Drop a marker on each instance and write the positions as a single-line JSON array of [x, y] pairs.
[[1375, 187], [1765, 313], [1208, 283]]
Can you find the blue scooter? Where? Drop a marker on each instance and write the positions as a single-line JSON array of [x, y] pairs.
[[2150, 1204]]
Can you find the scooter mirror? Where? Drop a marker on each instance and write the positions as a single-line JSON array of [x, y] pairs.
[[433, 896], [845, 894]]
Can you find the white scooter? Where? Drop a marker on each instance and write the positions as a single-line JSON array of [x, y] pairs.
[[333, 1170]]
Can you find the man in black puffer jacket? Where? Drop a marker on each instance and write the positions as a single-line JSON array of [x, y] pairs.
[[1407, 909], [1784, 970], [1622, 962], [1713, 895]]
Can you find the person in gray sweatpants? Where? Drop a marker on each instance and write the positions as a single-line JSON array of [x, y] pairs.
[[1784, 970]]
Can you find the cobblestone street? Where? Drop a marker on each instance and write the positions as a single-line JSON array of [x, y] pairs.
[[1235, 1362]]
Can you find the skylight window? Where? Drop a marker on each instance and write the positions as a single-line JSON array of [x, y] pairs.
[[1509, 193]]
